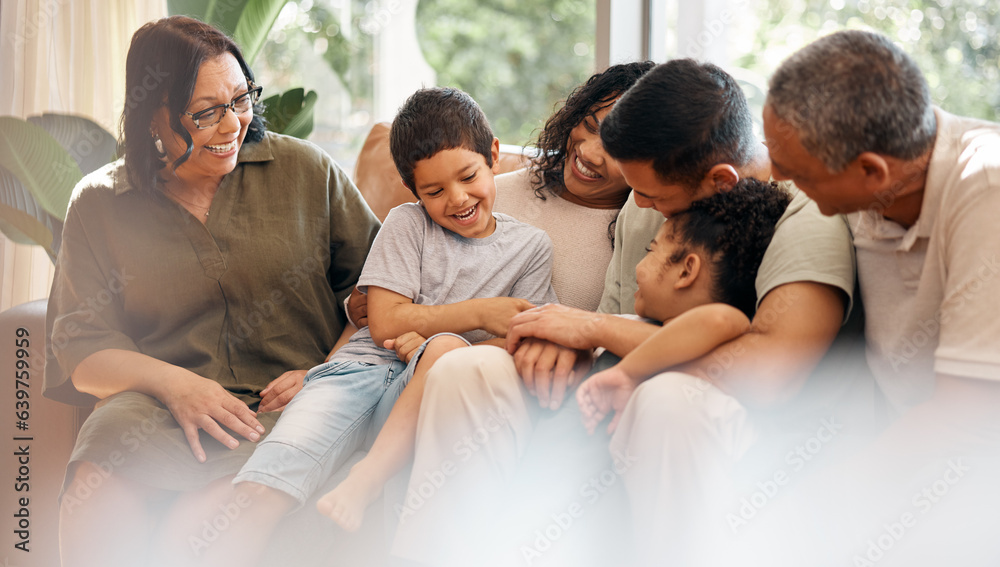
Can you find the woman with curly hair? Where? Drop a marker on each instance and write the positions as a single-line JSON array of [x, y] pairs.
[[572, 190]]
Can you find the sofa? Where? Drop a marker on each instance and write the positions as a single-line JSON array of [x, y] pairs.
[[39, 433]]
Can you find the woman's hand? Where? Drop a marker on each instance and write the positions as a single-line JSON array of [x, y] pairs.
[[199, 403], [569, 327], [405, 345], [195, 402], [280, 391], [606, 391]]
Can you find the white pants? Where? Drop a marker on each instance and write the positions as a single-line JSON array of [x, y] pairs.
[[492, 482]]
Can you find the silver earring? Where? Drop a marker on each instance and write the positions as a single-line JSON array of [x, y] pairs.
[[158, 143]]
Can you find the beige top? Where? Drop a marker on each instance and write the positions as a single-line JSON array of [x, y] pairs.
[[932, 291], [254, 292], [580, 237]]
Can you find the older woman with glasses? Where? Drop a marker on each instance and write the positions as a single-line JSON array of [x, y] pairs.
[[200, 276]]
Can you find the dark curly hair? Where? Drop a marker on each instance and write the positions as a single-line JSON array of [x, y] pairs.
[[161, 69], [732, 229], [598, 92], [436, 119]]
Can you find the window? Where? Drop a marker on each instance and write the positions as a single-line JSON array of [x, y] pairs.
[[517, 59], [953, 41]]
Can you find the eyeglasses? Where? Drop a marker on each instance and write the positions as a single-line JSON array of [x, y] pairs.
[[213, 115]]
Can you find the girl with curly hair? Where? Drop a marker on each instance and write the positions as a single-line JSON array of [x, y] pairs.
[[698, 280]]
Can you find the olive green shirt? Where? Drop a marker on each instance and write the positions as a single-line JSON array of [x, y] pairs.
[[252, 293]]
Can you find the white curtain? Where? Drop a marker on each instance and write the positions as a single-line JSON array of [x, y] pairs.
[[65, 56]]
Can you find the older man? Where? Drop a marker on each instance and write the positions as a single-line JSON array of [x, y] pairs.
[[849, 119]]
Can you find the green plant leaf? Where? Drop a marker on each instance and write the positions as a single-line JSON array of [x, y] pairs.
[[275, 121], [194, 8], [23, 220], [301, 124], [255, 22], [39, 162], [90, 145], [290, 104], [225, 15], [291, 113]]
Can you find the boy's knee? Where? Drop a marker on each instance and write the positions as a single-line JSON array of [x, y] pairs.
[[467, 370], [441, 344]]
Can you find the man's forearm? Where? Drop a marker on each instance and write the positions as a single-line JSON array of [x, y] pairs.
[[791, 331]]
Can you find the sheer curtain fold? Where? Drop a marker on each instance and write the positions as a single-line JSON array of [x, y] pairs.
[[65, 56]]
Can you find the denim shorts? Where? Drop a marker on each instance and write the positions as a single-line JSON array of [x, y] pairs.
[[339, 410]]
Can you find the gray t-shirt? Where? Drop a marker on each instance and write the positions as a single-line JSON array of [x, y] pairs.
[[415, 257]]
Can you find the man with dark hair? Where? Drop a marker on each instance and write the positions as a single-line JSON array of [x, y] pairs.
[[849, 119], [704, 122]]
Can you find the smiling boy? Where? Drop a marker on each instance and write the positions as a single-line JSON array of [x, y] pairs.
[[444, 265]]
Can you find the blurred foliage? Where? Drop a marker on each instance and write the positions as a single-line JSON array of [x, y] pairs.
[[517, 59], [953, 41], [333, 30], [327, 46]]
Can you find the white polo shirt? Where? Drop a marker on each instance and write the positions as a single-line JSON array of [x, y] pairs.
[[932, 292]]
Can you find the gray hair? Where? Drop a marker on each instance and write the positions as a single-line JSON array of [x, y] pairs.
[[852, 92]]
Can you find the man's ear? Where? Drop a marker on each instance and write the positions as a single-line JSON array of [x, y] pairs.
[[875, 171], [495, 151], [722, 177], [690, 269]]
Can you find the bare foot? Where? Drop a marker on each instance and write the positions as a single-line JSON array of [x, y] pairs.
[[347, 503]]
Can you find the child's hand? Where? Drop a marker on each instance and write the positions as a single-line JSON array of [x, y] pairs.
[[357, 305], [606, 391], [405, 345], [496, 313]]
